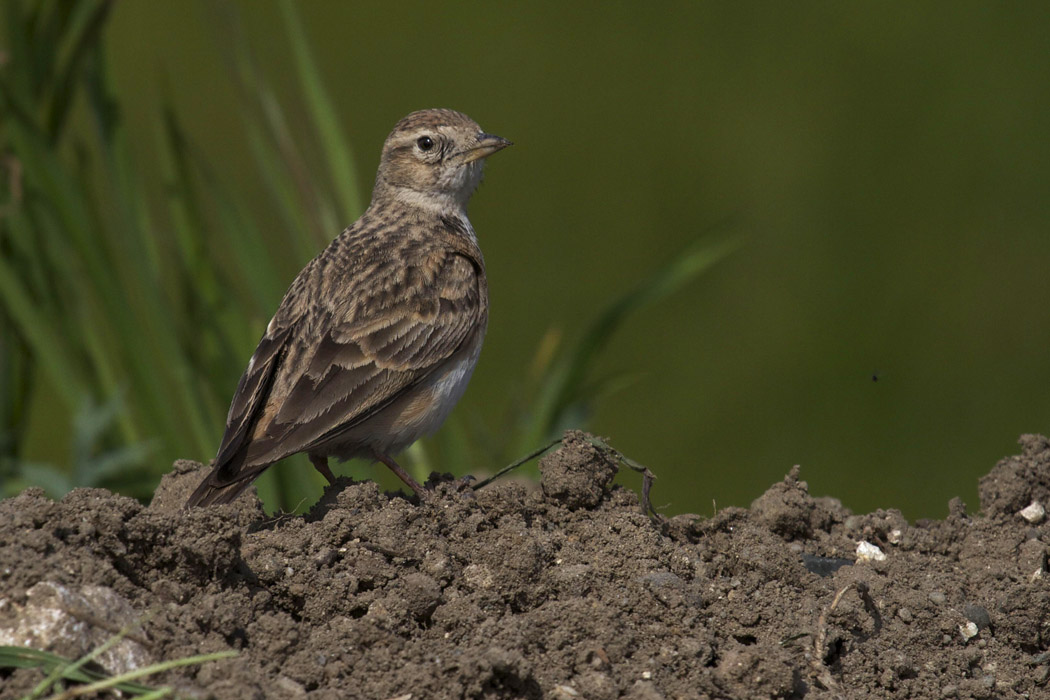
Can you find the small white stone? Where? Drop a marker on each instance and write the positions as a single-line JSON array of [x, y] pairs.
[[647, 675], [291, 687], [866, 551], [968, 631], [1033, 512], [478, 576], [895, 536]]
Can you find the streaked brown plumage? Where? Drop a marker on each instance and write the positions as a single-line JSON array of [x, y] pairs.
[[376, 338]]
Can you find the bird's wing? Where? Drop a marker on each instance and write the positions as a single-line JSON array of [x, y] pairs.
[[230, 476], [252, 391], [390, 333]]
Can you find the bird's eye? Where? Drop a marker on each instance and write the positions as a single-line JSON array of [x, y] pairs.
[[425, 143]]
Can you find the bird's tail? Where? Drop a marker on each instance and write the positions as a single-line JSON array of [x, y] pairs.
[[220, 486]]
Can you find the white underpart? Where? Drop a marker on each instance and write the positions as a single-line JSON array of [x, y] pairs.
[[389, 431], [464, 180], [448, 388]]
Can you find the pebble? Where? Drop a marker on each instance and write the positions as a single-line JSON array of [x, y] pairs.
[[290, 687], [866, 551], [1033, 512], [978, 616]]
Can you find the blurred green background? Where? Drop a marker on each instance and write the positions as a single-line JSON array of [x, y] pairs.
[[884, 170]]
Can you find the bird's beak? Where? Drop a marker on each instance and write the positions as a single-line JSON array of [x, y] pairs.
[[487, 145]]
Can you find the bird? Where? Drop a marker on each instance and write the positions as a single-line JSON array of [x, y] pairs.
[[376, 338]]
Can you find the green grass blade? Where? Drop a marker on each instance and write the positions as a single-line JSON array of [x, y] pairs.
[[563, 385], [309, 218], [63, 195], [87, 18], [272, 167], [47, 348], [24, 657], [18, 45], [157, 362], [243, 265], [17, 381], [323, 114], [117, 681]]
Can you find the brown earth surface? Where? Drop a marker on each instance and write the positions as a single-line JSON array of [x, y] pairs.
[[563, 591]]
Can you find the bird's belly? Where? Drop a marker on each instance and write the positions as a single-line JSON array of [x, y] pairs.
[[435, 401], [414, 415]]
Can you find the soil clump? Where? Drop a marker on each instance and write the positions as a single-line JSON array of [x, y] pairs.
[[568, 590]]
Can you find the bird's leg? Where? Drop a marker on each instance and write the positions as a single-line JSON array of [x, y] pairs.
[[320, 463], [401, 473]]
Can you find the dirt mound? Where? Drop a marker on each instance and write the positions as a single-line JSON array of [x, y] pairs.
[[564, 591]]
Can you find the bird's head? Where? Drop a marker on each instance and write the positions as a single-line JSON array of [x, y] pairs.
[[433, 159]]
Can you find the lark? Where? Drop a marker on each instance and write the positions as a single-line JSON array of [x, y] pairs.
[[377, 337]]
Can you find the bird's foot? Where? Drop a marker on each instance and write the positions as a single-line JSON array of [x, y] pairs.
[[320, 463], [403, 475], [465, 484]]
